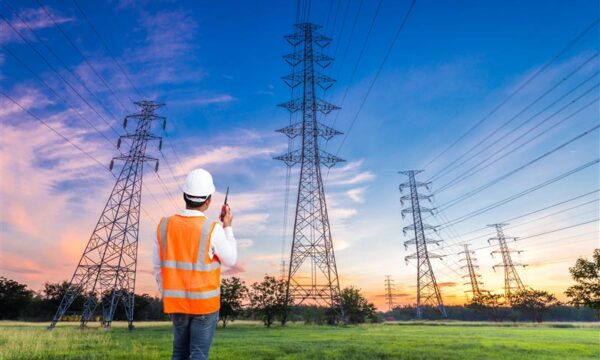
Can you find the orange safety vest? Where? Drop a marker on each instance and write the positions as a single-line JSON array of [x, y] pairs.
[[191, 280]]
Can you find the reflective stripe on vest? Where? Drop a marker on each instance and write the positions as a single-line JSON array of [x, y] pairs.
[[182, 294]]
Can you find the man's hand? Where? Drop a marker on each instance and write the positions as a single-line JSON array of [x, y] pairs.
[[228, 218]]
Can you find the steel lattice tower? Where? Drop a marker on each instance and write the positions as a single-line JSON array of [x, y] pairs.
[[428, 292], [472, 275], [389, 292], [512, 281], [106, 271], [312, 255]]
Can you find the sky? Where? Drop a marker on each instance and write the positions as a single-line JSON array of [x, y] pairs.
[[520, 70]]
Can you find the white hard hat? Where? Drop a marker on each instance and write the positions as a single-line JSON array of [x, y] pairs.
[[199, 183]]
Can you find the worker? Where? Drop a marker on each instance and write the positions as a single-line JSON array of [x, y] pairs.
[[188, 253]]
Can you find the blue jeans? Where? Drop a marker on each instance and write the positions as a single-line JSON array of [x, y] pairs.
[[193, 335]]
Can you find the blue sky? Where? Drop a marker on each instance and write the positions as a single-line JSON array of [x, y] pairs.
[[217, 66]]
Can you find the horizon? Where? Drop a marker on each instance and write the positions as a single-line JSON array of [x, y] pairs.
[[487, 66]]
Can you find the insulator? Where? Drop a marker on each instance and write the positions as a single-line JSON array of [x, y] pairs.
[[156, 167], [164, 124], [119, 143], [160, 145], [112, 164], [125, 123]]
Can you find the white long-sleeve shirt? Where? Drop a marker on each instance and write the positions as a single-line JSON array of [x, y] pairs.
[[222, 244]]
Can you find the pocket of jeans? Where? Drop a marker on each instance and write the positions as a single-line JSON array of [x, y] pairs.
[[178, 319]]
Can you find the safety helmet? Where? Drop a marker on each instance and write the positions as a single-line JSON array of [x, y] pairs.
[[199, 183]]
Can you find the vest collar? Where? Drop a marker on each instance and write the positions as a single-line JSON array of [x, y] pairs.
[[191, 213]]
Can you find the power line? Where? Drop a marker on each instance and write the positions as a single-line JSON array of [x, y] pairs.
[[360, 55], [66, 36], [56, 94], [79, 148], [64, 65], [343, 59], [538, 210], [104, 44], [383, 62], [518, 169], [541, 133], [120, 67], [520, 194], [337, 45], [517, 90], [450, 167], [549, 232], [550, 128], [526, 223], [471, 171], [55, 71], [19, 60]]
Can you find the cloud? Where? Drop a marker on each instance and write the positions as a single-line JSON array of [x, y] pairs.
[[28, 98], [265, 257], [349, 174], [244, 243], [237, 269], [222, 155], [357, 194], [218, 99], [397, 295], [340, 245], [2, 60], [169, 51], [447, 284], [341, 213], [35, 18], [20, 269]]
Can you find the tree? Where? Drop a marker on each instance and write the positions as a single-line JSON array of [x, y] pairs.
[[233, 292], [534, 302], [494, 305], [53, 293], [268, 299], [587, 290], [14, 297], [356, 307]]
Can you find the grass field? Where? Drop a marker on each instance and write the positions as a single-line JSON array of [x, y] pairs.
[[406, 340]]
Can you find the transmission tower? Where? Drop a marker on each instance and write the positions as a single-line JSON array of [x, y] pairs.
[[389, 292], [428, 292], [312, 274], [512, 281], [106, 271], [283, 277], [472, 275]]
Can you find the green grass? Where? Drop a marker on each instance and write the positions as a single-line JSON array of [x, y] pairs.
[[403, 340]]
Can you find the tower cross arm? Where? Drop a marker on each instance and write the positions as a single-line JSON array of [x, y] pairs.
[[298, 105], [406, 184]]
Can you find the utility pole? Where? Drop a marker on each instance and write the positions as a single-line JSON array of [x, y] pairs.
[[428, 292], [472, 275], [512, 281], [389, 292], [106, 271], [312, 275]]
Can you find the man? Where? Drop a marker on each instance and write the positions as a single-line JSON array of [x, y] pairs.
[[188, 253]]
